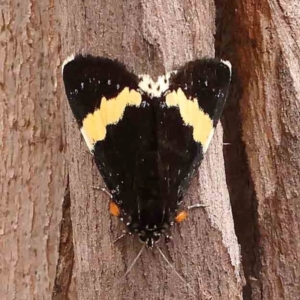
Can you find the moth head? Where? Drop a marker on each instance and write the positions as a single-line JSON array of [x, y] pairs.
[[149, 237]]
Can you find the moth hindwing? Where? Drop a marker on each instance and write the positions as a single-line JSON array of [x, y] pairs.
[[148, 137]]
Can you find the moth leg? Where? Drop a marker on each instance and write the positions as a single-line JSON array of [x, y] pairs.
[[196, 206], [99, 188], [124, 233]]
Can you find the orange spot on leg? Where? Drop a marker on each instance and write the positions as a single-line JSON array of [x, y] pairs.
[[114, 209], [181, 216]]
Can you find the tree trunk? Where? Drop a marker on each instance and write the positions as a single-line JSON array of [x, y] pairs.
[[46, 166], [262, 40], [32, 167]]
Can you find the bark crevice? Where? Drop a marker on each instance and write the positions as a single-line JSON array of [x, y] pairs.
[[65, 262], [238, 176]]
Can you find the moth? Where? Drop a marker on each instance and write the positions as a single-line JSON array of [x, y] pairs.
[[148, 137]]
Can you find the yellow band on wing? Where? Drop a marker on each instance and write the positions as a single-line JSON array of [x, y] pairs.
[[192, 115], [110, 112]]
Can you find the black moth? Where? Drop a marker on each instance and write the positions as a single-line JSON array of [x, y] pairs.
[[148, 137]]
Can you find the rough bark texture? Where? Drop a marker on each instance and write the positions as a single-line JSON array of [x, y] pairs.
[[32, 169], [61, 288], [262, 39], [271, 133], [150, 37]]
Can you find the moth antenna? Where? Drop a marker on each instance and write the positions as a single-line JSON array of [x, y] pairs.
[[173, 268], [132, 264], [104, 190], [197, 205]]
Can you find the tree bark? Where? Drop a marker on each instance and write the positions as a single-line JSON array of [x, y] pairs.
[[264, 48], [46, 167], [32, 167], [150, 37]]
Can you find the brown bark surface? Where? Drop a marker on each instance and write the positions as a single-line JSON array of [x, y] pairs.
[[271, 130], [32, 165], [262, 39], [47, 173]]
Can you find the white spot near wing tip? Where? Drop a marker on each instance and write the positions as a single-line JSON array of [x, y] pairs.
[[67, 60], [228, 64]]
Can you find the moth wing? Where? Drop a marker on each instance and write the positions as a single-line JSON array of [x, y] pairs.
[[89, 79], [105, 101], [192, 109]]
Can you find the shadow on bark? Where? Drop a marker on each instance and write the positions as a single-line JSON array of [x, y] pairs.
[[238, 177]]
